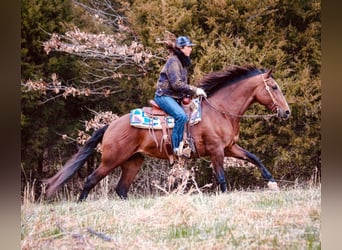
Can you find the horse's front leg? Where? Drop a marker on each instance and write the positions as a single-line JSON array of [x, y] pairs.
[[217, 163], [241, 153]]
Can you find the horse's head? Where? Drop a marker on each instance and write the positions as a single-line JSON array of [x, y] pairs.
[[269, 94]]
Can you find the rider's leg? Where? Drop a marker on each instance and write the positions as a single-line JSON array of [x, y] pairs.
[[170, 106]]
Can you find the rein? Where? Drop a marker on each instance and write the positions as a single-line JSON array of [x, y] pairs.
[[266, 117]]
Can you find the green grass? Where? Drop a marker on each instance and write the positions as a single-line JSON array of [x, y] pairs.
[[288, 219]]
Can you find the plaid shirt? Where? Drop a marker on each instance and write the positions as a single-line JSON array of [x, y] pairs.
[[173, 80]]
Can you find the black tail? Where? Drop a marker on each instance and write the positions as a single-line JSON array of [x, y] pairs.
[[75, 163]]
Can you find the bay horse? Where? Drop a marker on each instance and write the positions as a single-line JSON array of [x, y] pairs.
[[229, 94]]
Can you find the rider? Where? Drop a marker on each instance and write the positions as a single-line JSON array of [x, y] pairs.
[[173, 85]]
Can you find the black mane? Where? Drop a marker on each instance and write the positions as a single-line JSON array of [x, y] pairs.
[[214, 81]]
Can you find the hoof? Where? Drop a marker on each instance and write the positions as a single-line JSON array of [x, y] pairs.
[[272, 185]]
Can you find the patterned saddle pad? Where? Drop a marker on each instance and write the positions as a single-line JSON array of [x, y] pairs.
[[139, 119]]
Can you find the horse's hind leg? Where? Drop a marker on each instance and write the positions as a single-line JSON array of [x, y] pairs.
[[93, 179], [240, 153], [130, 168]]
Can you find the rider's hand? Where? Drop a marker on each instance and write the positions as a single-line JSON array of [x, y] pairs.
[[200, 92]]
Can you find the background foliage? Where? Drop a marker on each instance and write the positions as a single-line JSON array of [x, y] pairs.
[[279, 34]]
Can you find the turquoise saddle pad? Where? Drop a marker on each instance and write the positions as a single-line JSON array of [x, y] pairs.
[[140, 120]]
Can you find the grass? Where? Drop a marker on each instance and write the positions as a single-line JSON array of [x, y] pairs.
[[288, 219]]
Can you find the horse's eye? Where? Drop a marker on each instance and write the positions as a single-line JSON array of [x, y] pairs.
[[274, 87]]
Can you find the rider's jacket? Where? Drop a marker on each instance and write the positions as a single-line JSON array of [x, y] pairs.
[[173, 80]]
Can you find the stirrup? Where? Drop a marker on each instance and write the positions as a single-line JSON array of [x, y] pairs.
[[186, 152], [183, 152]]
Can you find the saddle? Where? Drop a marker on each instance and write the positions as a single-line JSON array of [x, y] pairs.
[[155, 111]]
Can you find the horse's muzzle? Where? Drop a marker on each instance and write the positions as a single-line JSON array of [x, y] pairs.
[[283, 114]]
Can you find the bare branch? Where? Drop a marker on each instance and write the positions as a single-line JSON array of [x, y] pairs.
[[106, 13], [112, 52], [106, 50], [99, 120], [54, 89], [106, 57]]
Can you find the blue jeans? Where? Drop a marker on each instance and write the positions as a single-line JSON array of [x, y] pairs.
[[171, 107]]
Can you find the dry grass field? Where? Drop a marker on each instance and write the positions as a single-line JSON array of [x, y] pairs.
[[286, 219]]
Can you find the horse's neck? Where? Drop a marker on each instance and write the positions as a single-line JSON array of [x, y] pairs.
[[235, 99]]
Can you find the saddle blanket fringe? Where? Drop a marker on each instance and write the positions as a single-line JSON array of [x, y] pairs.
[[139, 119]]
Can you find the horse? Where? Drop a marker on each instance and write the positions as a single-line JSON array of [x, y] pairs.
[[230, 92]]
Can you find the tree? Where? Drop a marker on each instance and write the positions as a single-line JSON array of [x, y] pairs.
[[108, 58]]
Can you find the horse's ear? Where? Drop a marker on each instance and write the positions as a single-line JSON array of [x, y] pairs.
[[268, 74]]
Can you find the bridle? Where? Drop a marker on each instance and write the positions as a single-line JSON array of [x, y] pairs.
[[274, 105], [267, 87]]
